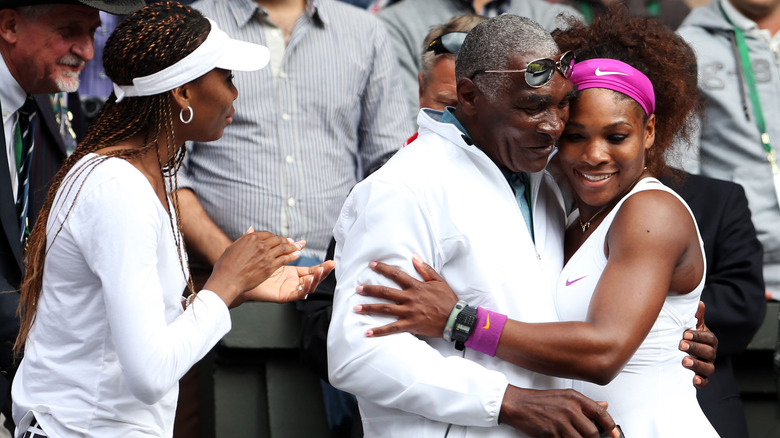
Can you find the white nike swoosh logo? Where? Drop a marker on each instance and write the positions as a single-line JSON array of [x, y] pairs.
[[605, 73]]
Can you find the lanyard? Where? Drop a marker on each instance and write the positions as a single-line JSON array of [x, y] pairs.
[[750, 80]]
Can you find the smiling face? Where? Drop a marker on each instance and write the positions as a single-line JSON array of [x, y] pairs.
[[212, 97], [46, 53], [518, 128], [602, 149]]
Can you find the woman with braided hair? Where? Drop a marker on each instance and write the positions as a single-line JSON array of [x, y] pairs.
[[105, 329]]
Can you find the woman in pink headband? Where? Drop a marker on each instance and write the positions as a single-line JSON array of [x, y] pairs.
[[635, 264]]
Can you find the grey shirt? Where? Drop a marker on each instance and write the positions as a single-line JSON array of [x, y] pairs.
[[296, 148]]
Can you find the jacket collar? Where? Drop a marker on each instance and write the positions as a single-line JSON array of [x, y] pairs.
[[430, 120]]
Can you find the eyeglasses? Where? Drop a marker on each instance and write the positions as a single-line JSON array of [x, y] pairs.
[[540, 71], [447, 43]]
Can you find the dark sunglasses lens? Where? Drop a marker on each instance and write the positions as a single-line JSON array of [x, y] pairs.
[[539, 72], [566, 62], [452, 41]]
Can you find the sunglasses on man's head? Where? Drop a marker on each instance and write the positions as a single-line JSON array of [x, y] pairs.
[[540, 71], [447, 43]]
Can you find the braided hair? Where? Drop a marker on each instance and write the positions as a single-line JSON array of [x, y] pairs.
[[661, 55], [147, 41]]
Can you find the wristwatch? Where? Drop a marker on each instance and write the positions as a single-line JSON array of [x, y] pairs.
[[464, 326], [447, 334]]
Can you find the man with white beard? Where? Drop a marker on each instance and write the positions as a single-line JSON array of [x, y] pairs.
[[44, 45]]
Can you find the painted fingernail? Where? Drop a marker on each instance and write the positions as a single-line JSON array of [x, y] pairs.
[[372, 264], [369, 333], [360, 289], [358, 308]]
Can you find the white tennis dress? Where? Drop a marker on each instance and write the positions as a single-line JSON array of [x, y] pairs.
[[653, 396]]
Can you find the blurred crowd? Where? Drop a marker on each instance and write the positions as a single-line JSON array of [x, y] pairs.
[[341, 93]]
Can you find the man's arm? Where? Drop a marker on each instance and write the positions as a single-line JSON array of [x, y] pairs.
[[701, 344], [202, 235], [384, 125], [555, 413]]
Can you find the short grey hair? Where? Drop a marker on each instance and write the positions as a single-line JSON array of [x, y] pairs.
[[458, 23], [492, 44]]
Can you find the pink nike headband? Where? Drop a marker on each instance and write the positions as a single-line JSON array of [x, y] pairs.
[[615, 75]]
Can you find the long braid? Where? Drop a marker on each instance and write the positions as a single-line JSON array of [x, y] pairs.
[[169, 173], [147, 41]]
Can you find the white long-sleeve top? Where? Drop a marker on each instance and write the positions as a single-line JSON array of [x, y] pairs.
[[111, 340], [449, 203]]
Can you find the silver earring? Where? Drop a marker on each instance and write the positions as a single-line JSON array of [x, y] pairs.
[[181, 115]]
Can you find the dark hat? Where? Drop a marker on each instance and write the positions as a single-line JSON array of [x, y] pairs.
[[119, 7]]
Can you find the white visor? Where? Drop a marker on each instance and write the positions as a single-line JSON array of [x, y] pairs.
[[217, 51]]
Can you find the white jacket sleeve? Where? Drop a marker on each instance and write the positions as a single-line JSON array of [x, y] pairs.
[[120, 233], [386, 222]]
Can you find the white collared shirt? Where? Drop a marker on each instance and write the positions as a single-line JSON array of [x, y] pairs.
[[12, 97]]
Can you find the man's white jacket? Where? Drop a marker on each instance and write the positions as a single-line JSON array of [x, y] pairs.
[[446, 201]]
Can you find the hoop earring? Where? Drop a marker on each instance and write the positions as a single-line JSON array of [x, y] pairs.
[[181, 115]]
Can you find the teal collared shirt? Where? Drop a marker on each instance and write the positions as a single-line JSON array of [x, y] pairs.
[[449, 117], [518, 181]]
